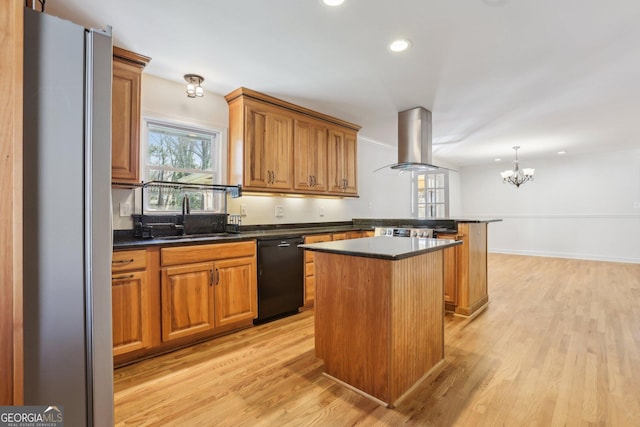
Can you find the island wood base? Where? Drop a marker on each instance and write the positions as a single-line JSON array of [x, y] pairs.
[[379, 324]]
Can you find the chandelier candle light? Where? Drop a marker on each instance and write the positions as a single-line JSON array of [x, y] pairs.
[[193, 85], [517, 176]]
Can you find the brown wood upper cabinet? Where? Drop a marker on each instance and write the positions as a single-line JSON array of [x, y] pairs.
[[125, 114], [278, 146], [269, 147], [343, 147], [310, 164]]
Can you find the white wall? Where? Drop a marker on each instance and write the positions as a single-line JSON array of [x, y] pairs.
[[380, 195], [579, 206]]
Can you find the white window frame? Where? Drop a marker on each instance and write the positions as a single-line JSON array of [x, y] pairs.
[[415, 197], [217, 153]]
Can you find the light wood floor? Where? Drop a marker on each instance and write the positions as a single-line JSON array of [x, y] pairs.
[[558, 345]]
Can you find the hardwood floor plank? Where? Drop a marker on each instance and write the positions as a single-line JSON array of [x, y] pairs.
[[559, 345]]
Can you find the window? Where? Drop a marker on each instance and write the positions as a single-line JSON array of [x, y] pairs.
[[182, 154], [431, 194]]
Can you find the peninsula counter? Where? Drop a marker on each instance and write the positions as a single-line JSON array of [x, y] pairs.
[[379, 312]]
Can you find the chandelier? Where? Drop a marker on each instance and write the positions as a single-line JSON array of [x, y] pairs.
[[517, 176], [193, 85]]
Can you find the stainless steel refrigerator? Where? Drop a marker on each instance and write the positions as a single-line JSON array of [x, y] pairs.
[[67, 219]]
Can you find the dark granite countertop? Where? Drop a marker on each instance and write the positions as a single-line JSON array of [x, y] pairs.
[[383, 247], [125, 239], [448, 223]]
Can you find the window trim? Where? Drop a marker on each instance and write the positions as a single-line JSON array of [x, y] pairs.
[[414, 194], [218, 165]]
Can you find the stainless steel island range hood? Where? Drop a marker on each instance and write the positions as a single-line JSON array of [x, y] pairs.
[[414, 142]]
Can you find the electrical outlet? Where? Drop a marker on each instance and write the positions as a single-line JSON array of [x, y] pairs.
[[279, 211], [125, 209], [321, 211], [243, 210]]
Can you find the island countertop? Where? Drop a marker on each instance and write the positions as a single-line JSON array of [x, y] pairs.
[[382, 247]]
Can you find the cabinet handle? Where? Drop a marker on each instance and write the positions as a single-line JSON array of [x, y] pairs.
[[310, 181], [344, 184], [126, 276], [122, 261], [217, 276], [315, 181], [211, 277]]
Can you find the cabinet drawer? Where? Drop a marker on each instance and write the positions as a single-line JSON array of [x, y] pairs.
[[179, 255], [129, 261]]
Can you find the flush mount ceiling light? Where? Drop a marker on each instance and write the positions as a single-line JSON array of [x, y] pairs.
[[517, 176], [333, 2], [399, 45], [193, 85]]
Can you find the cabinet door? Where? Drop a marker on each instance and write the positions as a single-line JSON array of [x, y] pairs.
[[342, 155], [269, 148], [255, 167], [336, 163], [350, 160], [450, 270], [130, 312], [280, 150], [235, 290], [187, 300], [310, 164], [125, 122]]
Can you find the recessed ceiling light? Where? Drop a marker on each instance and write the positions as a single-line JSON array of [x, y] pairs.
[[333, 2], [561, 152], [399, 45], [497, 160]]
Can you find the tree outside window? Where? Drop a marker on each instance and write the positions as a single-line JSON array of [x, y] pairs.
[[181, 155]]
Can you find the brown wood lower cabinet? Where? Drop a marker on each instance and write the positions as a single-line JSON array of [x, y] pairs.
[[170, 297], [187, 300], [130, 302], [450, 272], [309, 266], [465, 270], [218, 291], [309, 269], [235, 291]]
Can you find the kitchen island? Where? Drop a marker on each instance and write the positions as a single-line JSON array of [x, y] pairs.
[[379, 312]]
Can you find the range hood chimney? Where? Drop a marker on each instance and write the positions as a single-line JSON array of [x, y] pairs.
[[414, 142]]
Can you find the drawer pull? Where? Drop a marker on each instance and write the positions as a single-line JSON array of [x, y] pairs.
[[126, 276], [122, 261]]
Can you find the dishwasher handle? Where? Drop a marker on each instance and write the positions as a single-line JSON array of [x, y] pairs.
[[284, 245]]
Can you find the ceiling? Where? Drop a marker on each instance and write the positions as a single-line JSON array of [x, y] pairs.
[[547, 75]]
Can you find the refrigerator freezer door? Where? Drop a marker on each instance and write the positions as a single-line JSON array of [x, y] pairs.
[[98, 233], [67, 252]]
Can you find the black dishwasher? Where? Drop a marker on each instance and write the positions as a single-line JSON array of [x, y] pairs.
[[280, 278]]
